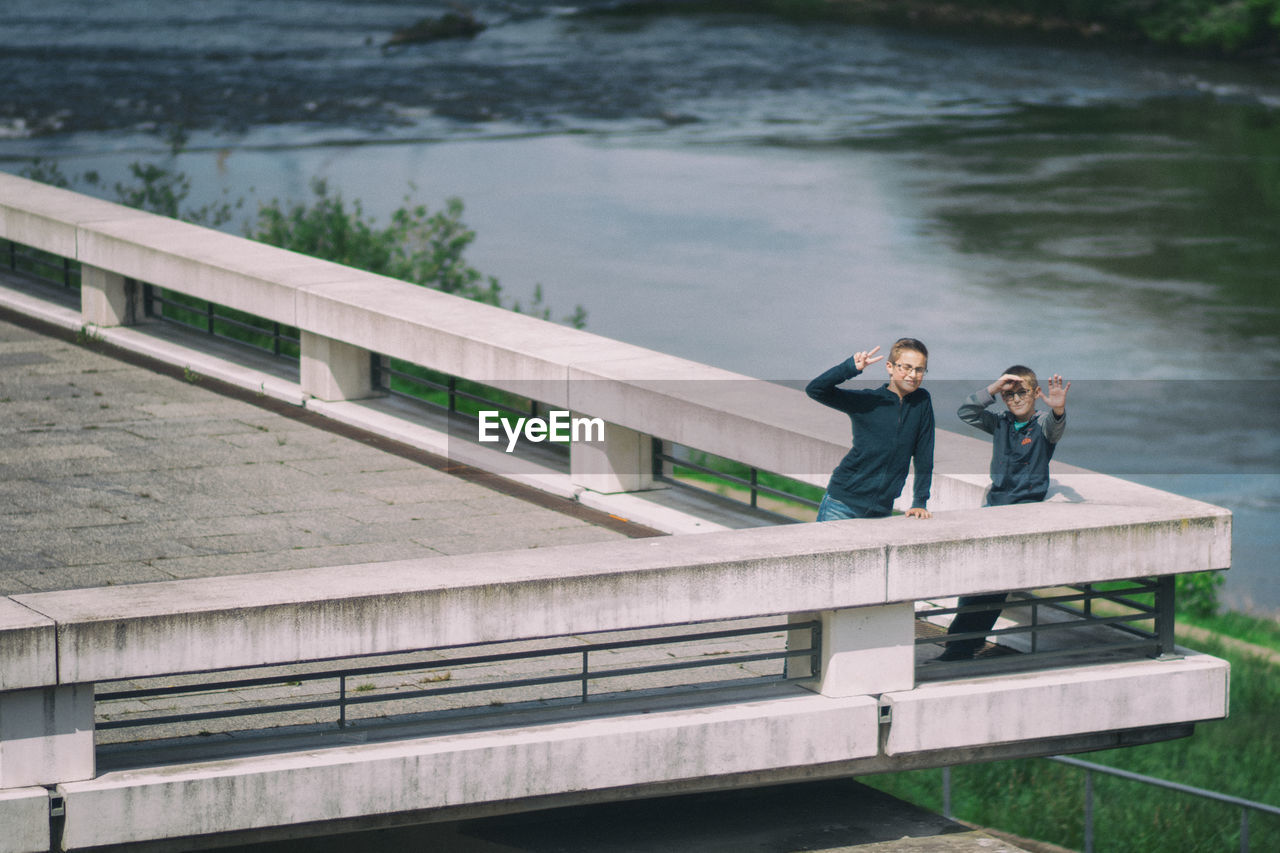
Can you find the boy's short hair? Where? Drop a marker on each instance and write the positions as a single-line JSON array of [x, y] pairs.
[[907, 344], [1025, 373]]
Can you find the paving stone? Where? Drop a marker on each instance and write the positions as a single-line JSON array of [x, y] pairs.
[[82, 576], [111, 474]]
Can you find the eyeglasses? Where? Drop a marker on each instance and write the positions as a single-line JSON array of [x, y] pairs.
[[1016, 395], [908, 369]]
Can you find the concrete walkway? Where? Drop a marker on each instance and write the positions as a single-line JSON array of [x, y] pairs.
[[113, 473]]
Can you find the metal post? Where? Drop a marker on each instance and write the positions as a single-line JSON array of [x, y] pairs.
[[208, 317], [1088, 811], [342, 701], [1035, 625], [754, 482], [584, 676], [946, 792], [1244, 830], [1164, 615], [453, 388]]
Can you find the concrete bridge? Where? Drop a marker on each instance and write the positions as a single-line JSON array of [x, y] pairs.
[[125, 672]]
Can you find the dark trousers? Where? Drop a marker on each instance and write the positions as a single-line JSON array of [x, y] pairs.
[[977, 620]]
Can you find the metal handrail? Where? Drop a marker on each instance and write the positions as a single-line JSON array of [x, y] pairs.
[[582, 675], [751, 482], [1129, 638], [155, 301], [1090, 768]]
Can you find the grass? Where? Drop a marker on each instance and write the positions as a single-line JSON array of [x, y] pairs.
[[1257, 630], [1040, 799]]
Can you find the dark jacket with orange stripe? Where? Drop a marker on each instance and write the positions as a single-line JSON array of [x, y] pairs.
[[1019, 457]]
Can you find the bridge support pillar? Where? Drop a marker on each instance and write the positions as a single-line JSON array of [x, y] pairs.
[[332, 370], [865, 650], [623, 462], [108, 298], [46, 735]]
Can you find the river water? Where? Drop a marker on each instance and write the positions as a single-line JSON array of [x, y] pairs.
[[759, 195]]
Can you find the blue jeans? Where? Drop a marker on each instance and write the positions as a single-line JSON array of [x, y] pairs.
[[835, 510]]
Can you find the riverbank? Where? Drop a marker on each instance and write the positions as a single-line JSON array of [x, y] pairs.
[[1220, 27]]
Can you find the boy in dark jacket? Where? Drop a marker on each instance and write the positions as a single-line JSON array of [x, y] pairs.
[[1022, 444], [892, 427]]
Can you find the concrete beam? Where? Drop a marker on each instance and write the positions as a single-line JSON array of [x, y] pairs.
[[109, 299], [46, 735], [46, 217], [331, 370], [1048, 544], [245, 620], [622, 462], [1011, 708], [472, 768], [24, 817], [212, 623], [28, 647]]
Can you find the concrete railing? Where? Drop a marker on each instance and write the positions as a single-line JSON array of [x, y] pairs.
[[860, 578], [344, 315]]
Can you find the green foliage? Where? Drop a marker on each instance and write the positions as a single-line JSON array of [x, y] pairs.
[[1197, 593], [417, 245], [1039, 799], [163, 191]]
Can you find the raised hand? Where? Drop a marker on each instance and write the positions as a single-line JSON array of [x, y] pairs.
[[1007, 382], [1056, 399], [862, 359]]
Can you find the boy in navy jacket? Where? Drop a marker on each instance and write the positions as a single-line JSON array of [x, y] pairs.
[[1022, 443], [892, 427]]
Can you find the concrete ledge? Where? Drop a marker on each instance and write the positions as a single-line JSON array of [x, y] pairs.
[[306, 614], [1054, 703], [476, 768], [635, 506], [24, 820], [1048, 544], [40, 309], [28, 647]]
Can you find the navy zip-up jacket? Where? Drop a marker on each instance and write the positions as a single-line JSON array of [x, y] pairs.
[[1019, 457], [888, 434]]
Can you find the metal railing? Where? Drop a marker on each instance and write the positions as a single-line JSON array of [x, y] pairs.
[[1098, 621], [51, 269], [475, 674], [459, 399], [1090, 768], [221, 322], [743, 484]]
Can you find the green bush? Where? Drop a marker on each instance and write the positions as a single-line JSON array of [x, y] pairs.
[[1197, 593]]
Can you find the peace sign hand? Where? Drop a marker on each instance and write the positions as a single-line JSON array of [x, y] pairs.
[[862, 359]]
